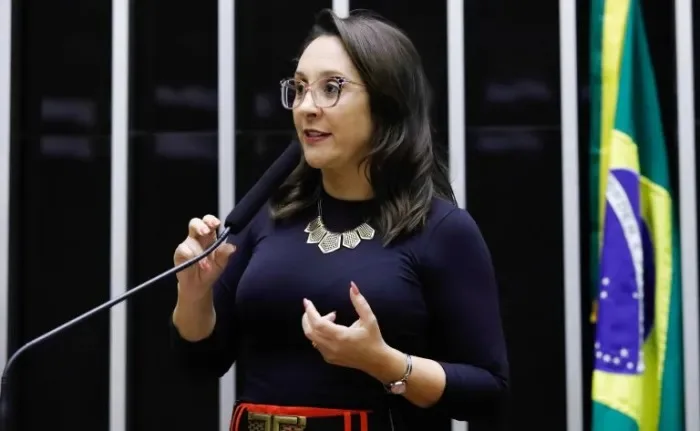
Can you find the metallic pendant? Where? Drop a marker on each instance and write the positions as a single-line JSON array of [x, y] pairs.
[[329, 242]]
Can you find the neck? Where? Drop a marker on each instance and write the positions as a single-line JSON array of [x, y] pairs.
[[350, 186]]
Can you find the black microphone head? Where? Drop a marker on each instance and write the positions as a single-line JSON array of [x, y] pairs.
[[257, 196]]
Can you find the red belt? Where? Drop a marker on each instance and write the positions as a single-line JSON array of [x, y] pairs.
[[283, 418]]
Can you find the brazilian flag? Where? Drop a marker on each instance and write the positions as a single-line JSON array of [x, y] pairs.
[[637, 377]]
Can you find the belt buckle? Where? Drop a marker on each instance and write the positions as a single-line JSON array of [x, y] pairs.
[[266, 422]]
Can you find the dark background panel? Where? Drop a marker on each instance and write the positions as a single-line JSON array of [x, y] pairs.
[[61, 72], [514, 189], [59, 265], [60, 210], [174, 66], [426, 26], [173, 176], [583, 19], [514, 194], [59, 268], [269, 36], [512, 62]]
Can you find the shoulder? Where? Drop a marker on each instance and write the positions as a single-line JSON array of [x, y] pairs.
[[447, 220], [451, 233]]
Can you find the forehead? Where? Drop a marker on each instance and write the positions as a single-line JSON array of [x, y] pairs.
[[325, 56]]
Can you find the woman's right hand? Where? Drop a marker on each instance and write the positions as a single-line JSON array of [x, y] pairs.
[[195, 282]]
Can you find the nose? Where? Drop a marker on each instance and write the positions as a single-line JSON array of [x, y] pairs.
[[308, 105]]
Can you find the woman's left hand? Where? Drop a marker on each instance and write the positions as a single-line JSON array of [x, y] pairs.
[[358, 346]]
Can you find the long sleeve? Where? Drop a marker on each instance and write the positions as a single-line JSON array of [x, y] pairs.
[[468, 340], [214, 355]]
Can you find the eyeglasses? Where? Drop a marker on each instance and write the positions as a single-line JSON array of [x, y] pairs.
[[325, 92]]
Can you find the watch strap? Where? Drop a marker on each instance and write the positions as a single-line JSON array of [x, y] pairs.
[[398, 386]]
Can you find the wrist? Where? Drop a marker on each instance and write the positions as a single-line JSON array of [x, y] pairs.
[[194, 319], [194, 299], [389, 365]]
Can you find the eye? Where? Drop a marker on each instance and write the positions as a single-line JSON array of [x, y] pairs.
[[332, 86], [298, 86]]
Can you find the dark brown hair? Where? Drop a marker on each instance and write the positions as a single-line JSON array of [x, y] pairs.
[[403, 167]]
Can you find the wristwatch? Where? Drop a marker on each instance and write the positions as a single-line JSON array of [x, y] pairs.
[[399, 387]]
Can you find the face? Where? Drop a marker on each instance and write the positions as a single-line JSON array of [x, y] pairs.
[[337, 137]]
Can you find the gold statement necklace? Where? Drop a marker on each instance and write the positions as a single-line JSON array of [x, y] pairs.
[[329, 241]]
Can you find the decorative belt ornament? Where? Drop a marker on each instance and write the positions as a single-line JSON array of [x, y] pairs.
[[266, 422]]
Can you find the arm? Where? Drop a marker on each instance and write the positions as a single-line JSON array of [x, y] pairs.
[[467, 378], [203, 334]]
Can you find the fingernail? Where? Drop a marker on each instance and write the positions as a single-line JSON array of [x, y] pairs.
[[306, 302], [354, 289]]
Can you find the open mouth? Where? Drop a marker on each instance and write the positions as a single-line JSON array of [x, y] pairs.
[[310, 133], [312, 136]]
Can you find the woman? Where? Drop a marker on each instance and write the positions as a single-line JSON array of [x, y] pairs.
[[362, 298]]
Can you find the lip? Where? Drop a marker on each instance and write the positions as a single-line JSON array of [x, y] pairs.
[[309, 139]]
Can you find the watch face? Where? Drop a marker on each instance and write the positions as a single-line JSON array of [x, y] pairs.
[[398, 388]]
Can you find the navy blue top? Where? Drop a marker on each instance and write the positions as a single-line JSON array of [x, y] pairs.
[[434, 294]]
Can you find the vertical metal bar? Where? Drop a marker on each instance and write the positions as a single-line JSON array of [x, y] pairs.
[[227, 160], [688, 214], [456, 107], [341, 8], [456, 99], [5, 124], [119, 212], [570, 199]]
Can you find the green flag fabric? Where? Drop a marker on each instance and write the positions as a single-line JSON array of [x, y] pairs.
[[637, 377]]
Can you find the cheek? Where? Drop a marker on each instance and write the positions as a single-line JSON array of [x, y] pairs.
[[296, 118], [354, 127]]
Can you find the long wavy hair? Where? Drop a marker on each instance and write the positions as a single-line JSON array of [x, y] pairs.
[[403, 167]]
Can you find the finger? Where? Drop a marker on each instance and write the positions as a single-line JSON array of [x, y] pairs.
[[187, 250], [315, 317], [306, 326], [197, 228], [364, 311], [208, 263], [317, 322], [211, 221], [182, 253], [222, 254], [194, 246], [205, 233]]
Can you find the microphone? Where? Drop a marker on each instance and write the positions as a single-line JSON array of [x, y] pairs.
[[235, 222], [262, 190]]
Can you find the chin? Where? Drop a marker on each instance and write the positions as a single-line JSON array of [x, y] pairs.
[[316, 162], [317, 159]]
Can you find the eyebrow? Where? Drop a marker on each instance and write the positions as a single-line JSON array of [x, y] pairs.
[[324, 73]]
